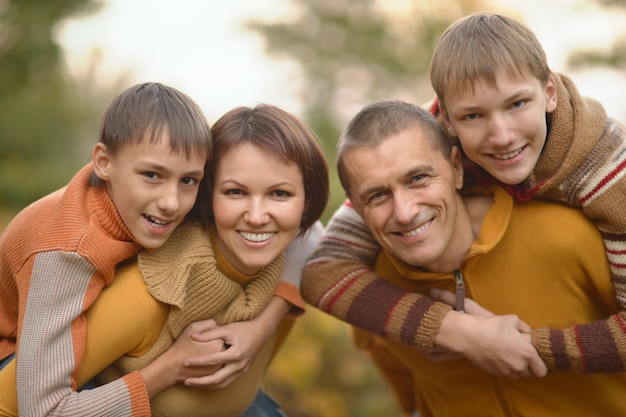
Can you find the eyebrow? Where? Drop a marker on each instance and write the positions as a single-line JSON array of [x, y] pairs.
[[419, 169], [164, 168], [277, 185], [514, 96]]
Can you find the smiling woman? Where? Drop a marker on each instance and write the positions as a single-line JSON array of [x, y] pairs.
[[256, 216]]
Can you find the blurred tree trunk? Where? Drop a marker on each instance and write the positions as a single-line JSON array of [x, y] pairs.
[[47, 119]]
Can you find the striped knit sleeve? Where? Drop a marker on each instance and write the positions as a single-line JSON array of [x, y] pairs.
[[339, 280], [599, 185]]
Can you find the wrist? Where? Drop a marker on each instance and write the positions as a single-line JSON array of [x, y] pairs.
[[452, 334]]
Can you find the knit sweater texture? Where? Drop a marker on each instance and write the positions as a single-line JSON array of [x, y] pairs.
[[184, 274], [56, 256], [583, 165], [510, 269]]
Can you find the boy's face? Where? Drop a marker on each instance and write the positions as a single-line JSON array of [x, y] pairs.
[[258, 202], [406, 192], [502, 129], [152, 187]]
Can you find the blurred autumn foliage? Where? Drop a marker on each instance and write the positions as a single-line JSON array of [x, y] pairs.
[[350, 52]]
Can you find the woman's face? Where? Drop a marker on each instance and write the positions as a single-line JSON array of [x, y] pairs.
[[258, 202]]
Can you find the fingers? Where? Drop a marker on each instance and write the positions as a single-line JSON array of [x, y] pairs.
[[216, 358], [524, 327], [201, 326], [220, 379], [443, 296], [537, 368]]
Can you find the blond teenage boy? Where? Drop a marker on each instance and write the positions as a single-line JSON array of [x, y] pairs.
[[530, 131]]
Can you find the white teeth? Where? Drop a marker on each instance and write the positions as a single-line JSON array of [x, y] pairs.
[[257, 237], [416, 231], [508, 155], [156, 221]]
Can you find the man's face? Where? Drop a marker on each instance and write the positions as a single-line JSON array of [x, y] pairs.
[[503, 128], [406, 192]]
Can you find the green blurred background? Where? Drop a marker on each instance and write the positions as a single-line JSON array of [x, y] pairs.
[[347, 52]]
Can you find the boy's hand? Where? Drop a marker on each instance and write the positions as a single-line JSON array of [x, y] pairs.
[[501, 345]]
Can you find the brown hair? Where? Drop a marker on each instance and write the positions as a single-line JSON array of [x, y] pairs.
[[144, 111], [378, 121], [481, 46], [284, 136]]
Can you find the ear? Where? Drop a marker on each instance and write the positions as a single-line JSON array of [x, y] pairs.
[[551, 94], [101, 160], [456, 161], [446, 121]]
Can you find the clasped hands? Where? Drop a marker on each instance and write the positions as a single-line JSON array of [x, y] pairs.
[[500, 345], [214, 356]]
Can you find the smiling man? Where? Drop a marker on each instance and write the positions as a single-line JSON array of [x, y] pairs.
[[403, 178]]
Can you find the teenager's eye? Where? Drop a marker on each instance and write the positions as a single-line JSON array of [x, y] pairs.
[[189, 181], [518, 104]]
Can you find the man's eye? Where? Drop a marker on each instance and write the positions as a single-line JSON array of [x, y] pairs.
[[376, 197], [418, 178], [151, 175]]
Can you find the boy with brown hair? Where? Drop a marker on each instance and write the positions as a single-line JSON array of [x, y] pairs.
[[59, 253], [529, 130]]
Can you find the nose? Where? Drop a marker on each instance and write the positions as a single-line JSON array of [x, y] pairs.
[[169, 201], [405, 207], [500, 132], [256, 213]]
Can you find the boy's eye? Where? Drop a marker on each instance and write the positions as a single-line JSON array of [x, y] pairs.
[[472, 116], [151, 175], [517, 104], [189, 181]]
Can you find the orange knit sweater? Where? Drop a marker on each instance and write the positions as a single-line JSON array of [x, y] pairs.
[[55, 258]]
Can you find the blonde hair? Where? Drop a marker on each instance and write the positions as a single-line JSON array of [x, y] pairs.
[[481, 46]]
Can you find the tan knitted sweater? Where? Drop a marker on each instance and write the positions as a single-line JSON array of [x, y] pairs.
[[183, 273]]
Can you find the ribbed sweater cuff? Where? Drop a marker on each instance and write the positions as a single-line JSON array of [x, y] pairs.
[[429, 326], [138, 394]]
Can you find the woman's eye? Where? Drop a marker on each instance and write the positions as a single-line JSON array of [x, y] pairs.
[[281, 194]]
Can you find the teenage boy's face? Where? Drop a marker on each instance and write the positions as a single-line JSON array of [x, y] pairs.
[[406, 192], [503, 128], [152, 187], [258, 202]]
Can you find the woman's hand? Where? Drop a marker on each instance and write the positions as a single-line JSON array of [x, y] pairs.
[[243, 341]]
